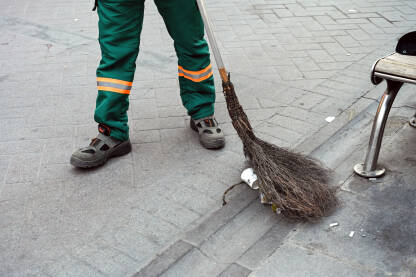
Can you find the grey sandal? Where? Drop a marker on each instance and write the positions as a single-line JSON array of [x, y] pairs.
[[99, 151], [210, 134]]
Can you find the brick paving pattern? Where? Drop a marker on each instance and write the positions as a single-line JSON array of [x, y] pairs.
[[293, 63]]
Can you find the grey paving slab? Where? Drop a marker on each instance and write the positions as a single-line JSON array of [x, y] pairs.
[[285, 134], [165, 259], [195, 263], [23, 168], [4, 164], [66, 267], [267, 244], [133, 244], [295, 261], [235, 270], [231, 241], [111, 262], [221, 217]]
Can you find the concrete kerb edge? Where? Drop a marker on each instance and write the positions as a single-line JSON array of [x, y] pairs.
[[186, 236]]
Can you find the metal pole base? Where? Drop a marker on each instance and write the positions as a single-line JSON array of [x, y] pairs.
[[359, 169], [412, 121], [369, 167]]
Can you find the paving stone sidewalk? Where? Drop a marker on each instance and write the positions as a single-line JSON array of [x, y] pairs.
[[294, 63]]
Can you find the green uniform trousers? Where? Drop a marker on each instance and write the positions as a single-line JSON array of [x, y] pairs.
[[120, 24]]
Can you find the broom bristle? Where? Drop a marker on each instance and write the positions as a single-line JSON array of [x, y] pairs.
[[296, 184]]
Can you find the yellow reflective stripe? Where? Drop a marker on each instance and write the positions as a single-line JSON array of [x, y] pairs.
[[118, 86], [195, 76], [195, 72], [114, 85], [196, 80], [114, 81], [122, 91]]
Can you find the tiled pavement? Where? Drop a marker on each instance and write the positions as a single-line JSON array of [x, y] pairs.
[[293, 63]]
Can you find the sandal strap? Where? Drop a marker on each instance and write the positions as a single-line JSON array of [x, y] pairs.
[[207, 123], [99, 141], [107, 140]]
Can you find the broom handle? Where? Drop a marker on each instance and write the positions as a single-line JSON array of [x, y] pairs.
[[212, 41]]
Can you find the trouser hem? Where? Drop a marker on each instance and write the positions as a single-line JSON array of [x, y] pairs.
[[203, 112], [118, 135]]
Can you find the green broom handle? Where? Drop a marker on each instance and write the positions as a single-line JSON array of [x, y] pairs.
[[212, 41]]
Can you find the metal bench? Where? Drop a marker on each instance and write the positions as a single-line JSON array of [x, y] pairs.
[[396, 69]]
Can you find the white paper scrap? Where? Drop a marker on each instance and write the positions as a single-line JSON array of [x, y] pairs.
[[333, 224], [330, 118], [249, 177], [351, 234]]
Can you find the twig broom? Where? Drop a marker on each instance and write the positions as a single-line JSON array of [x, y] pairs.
[[297, 185]]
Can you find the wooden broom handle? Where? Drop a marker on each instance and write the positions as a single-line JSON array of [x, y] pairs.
[[213, 43]]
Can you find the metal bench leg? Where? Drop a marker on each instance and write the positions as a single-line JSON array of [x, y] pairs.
[[369, 167], [412, 121]]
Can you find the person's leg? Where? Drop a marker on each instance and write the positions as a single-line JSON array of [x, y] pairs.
[[120, 23], [185, 26]]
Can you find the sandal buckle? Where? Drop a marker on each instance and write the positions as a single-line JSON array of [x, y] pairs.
[[104, 129]]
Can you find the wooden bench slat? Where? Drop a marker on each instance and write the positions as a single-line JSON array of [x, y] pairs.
[[398, 65]]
